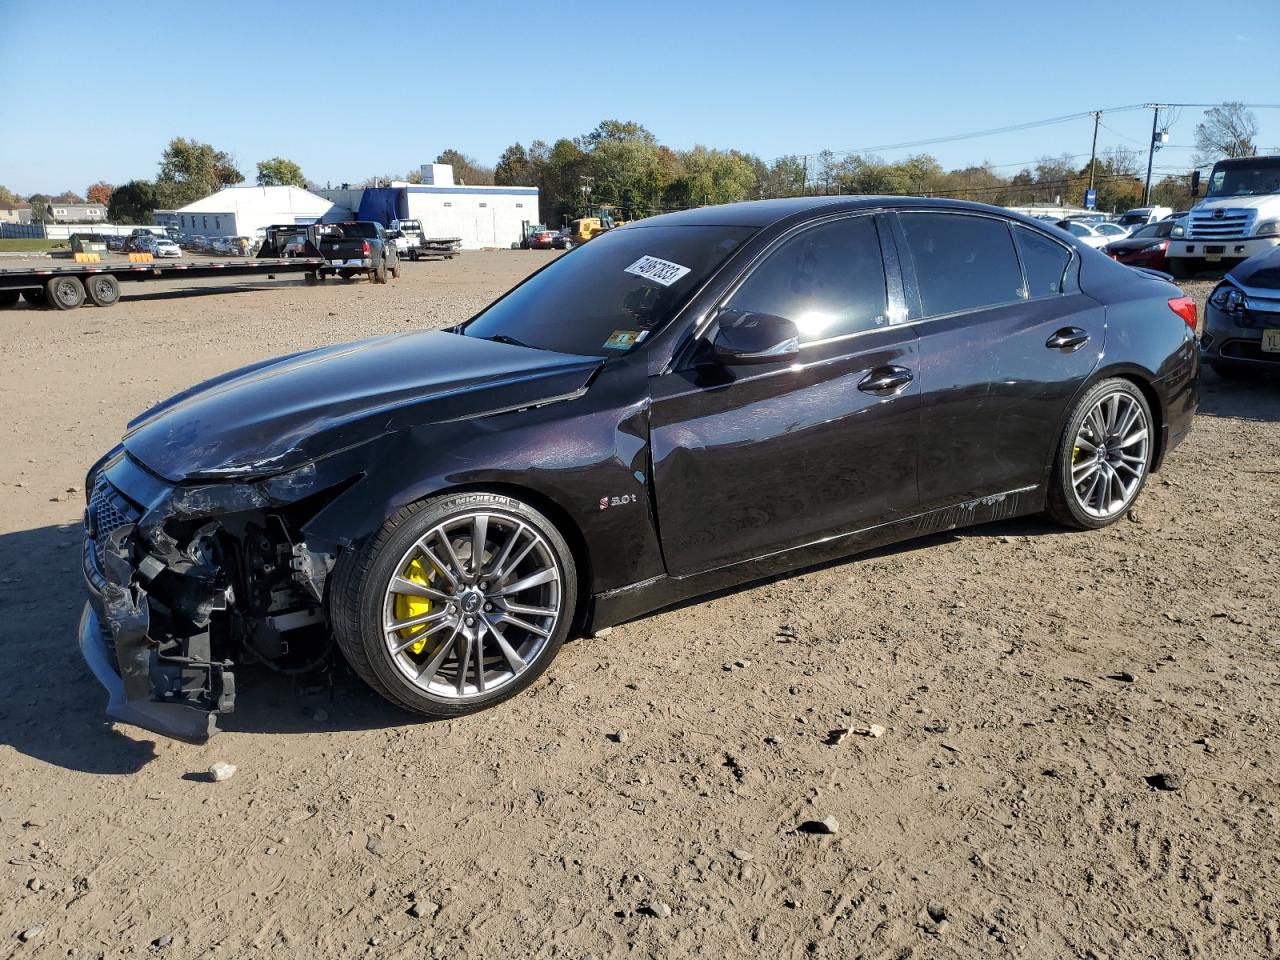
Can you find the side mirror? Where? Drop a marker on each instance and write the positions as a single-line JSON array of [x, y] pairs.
[[745, 337], [1195, 183]]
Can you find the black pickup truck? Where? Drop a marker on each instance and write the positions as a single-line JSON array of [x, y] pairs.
[[358, 246]]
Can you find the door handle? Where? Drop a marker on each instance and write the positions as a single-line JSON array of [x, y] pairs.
[[883, 381], [1068, 339]]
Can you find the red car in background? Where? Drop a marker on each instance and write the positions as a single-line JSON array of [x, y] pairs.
[[542, 240], [1145, 247]]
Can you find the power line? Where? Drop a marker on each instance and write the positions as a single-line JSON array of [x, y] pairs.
[[990, 132]]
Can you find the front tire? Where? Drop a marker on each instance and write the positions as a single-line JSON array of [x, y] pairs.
[[435, 632], [1103, 457], [102, 289]]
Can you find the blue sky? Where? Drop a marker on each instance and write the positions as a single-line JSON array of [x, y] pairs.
[[94, 90]]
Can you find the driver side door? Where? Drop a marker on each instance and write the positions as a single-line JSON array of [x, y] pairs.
[[751, 460]]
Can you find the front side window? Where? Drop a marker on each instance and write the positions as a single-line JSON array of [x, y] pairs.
[[962, 262], [829, 281], [1044, 260]]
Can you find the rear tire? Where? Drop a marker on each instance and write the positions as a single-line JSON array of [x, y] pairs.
[[1108, 444], [395, 269], [64, 293], [379, 274], [102, 289], [1183, 268], [362, 602], [35, 298]]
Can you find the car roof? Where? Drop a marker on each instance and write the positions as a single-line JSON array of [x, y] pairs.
[[764, 213]]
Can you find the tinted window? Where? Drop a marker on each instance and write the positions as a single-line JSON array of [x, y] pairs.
[[1044, 260], [828, 280], [608, 296], [962, 262]]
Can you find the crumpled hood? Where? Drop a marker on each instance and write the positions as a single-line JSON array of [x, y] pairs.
[[274, 416]]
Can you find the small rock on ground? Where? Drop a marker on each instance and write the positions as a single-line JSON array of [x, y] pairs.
[[220, 770]]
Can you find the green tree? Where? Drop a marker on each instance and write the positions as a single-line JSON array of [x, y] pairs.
[[39, 207], [10, 199], [466, 170], [132, 202], [190, 170], [279, 172], [515, 168], [68, 196]]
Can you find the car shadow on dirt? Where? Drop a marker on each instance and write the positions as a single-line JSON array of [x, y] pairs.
[[52, 709], [1252, 399]]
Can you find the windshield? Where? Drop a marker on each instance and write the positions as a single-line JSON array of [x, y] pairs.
[[1156, 230], [1134, 216], [606, 297], [1254, 179]]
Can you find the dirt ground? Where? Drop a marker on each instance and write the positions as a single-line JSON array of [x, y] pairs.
[[1030, 682]]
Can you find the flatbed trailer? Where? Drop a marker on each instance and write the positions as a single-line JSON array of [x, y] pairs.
[[67, 286]]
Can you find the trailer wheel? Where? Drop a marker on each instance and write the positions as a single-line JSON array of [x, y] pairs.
[[103, 289], [413, 254], [65, 293], [8, 298], [35, 297]]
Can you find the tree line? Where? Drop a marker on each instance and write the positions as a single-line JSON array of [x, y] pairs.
[[620, 164]]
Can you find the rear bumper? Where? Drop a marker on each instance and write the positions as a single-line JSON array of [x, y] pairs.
[[364, 264]]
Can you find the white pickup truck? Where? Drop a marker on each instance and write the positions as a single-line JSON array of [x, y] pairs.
[[1238, 218]]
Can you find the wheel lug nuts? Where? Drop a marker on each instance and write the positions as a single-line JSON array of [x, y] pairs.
[[488, 606], [471, 621]]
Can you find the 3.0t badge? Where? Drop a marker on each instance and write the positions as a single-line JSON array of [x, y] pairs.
[[607, 502]]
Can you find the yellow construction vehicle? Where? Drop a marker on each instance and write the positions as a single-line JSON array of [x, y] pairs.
[[597, 221]]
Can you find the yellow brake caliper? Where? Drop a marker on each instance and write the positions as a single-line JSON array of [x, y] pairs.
[[407, 606]]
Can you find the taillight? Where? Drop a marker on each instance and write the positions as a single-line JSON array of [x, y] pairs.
[[364, 248], [1185, 307]]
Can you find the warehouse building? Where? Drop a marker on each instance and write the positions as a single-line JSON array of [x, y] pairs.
[[480, 216], [242, 211]]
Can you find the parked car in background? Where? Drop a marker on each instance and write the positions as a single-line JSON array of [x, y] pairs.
[[116, 242], [1084, 232], [562, 240], [1141, 216], [220, 246], [241, 246], [542, 240], [1145, 247], [167, 248], [1110, 229], [692, 403], [1242, 319], [358, 246], [141, 243]]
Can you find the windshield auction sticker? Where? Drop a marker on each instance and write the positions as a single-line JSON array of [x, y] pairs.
[[622, 340], [659, 271]]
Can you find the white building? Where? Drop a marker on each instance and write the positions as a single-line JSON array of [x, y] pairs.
[[241, 211], [483, 216]]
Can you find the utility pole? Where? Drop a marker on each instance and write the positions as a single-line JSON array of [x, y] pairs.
[[1093, 151], [804, 179], [1151, 148]]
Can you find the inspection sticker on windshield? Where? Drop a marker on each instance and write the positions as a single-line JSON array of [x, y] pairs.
[[659, 271], [623, 339]]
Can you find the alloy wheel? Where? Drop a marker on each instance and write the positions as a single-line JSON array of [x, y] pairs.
[[472, 604], [1110, 455]]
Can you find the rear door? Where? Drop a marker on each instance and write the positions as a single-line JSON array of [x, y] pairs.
[[752, 460], [1006, 342]]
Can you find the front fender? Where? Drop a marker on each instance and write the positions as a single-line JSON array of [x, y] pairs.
[[588, 455]]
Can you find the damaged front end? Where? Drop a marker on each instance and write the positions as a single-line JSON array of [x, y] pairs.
[[187, 579]]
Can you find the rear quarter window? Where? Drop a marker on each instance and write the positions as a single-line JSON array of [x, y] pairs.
[[962, 262], [1044, 260]]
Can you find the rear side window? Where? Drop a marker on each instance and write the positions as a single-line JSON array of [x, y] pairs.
[[1045, 262], [962, 262], [828, 280]]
